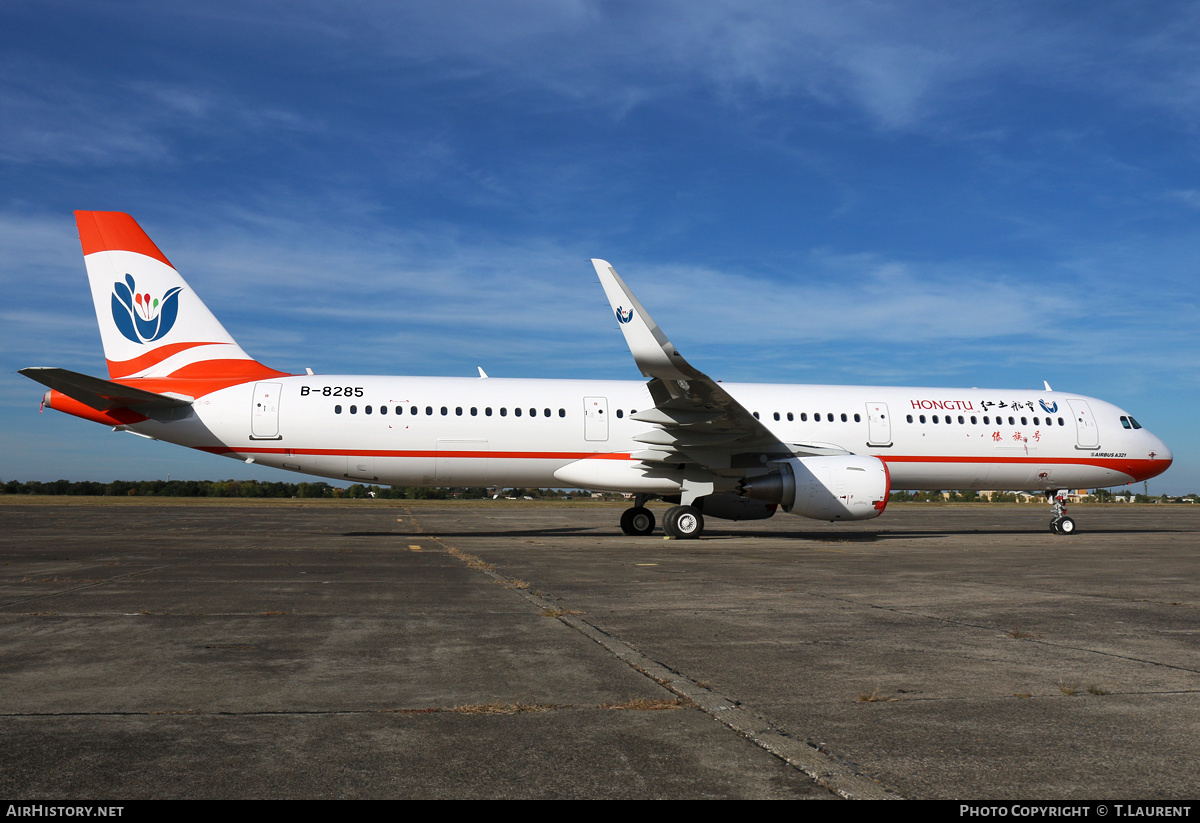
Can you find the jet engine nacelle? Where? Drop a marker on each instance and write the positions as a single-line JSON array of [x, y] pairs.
[[839, 487]]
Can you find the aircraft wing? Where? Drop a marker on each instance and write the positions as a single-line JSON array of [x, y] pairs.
[[103, 395], [695, 419]]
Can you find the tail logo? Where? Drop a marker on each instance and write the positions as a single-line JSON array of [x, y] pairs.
[[141, 318], [624, 316], [1049, 408]]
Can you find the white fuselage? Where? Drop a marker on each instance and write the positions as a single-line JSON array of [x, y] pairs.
[[447, 431]]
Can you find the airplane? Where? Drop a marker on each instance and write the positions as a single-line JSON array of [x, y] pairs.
[[711, 449]]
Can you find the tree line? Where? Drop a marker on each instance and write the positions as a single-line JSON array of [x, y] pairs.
[[231, 488], [278, 489]]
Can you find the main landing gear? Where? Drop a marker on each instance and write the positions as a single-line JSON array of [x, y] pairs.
[[683, 522], [1060, 524], [680, 522], [638, 520]]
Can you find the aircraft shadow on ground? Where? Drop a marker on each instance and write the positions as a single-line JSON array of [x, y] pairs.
[[565, 531], [714, 534]]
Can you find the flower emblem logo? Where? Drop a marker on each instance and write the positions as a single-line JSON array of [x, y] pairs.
[[141, 318], [1049, 408], [624, 316]]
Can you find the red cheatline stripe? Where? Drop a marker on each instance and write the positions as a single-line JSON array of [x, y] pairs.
[[1106, 462], [1139, 468], [114, 231], [415, 453], [254, 449]]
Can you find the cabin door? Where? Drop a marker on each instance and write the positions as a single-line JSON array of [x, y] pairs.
[[879, 425], [595, 418], [264, 414], [1085, 425]]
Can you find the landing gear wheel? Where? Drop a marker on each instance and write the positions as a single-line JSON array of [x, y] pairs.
[[638, 520], [683, 522], [1061, 524]]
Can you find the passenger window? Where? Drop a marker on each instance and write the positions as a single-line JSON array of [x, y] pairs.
[[857, 418], [816, 417], [354, 409], [922, 418], [843, 417], [1024, 421], [474, 412], [517, 411], [503, 412], [776, 415], [337, 409], [961, 420], [974, 421], [563, 412], [458, 410], [790, 417], [547, 412], [935, 418], [620, 413], [444, 412], [756, 416], [367, 409], [803, 417], [910, 418], [383, 409]]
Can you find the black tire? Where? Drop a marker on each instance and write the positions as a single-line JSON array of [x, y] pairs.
[[683, 523], [637, 521], [1066, 526]]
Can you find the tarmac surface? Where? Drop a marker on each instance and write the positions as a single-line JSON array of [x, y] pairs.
[[398, 649]]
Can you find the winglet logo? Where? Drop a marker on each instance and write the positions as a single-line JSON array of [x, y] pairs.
[[140, 317], [624, 316], [1049, 408]]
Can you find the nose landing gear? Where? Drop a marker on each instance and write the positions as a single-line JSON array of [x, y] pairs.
[[1060, 523]]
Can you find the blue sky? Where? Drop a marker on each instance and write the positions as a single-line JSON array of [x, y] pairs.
[[900, 193]]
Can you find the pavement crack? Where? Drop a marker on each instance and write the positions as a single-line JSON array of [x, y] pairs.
[[828, 771], [90, 584]]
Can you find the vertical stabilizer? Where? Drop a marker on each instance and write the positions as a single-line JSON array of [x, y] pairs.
[[151, 322]]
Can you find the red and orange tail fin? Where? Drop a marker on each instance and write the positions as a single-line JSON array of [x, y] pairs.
[[151, 322]]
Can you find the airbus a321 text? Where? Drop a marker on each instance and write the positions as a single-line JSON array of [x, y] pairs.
[[724, 450]]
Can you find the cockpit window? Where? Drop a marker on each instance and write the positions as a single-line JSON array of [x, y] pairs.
[[1125, 422], [1129, 423], [1136, 424]]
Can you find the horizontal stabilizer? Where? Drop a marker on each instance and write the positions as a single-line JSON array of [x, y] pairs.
[[103, 395]]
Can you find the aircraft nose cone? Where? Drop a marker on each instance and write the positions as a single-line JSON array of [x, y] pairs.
[[1164, 454]]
